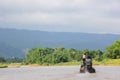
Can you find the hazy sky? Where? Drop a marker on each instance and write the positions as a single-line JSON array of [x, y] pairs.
[[91, 16]]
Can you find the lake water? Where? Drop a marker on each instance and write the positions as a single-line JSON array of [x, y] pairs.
[[59, 73]]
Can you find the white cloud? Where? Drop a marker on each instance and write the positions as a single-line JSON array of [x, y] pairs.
[[62, 15]]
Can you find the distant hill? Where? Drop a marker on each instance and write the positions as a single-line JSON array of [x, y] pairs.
[[7, 50], [13, 42]]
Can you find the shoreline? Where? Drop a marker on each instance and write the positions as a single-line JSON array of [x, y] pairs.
[[36, 65], [60, 66], [17, 65]]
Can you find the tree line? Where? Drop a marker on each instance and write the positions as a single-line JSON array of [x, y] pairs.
[[57, 55], [40, 55], [10, 60]]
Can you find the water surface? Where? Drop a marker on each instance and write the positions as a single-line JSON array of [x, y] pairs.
[[59, 73]]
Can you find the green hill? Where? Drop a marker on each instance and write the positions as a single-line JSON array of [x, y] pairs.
[[13, 42]]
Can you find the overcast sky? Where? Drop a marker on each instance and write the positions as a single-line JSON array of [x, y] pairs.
[[91, 16]]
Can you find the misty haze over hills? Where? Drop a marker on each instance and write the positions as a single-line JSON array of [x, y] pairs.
[[14, 42]]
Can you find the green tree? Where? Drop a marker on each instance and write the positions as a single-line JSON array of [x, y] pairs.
[[2, 59], [98, 55], [113, 51]]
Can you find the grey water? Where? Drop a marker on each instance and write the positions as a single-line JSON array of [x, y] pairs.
[[59, 73]]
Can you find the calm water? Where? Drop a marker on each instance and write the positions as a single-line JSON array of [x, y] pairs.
[[59, 73]]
